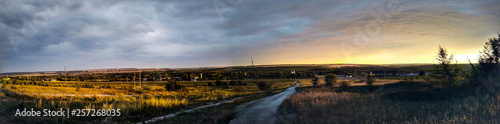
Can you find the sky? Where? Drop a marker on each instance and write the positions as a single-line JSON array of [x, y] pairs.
[[48, 35]]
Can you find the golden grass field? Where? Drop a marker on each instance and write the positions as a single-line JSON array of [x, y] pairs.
[[137, 103], [414, 102]]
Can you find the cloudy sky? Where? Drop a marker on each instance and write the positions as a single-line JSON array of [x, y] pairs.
[[45, 35]]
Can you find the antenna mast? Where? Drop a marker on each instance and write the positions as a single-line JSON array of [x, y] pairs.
[[252, 61]]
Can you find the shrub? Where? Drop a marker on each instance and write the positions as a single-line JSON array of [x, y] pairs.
[[344, 85], [331, 79], [444, 71], [241, 83], [78, 89], [315, 81], [370, 79], [265, 86], [173, 86], [232, 83], [218, 82]]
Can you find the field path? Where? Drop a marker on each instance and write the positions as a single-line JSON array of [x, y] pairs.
[[262, 111]]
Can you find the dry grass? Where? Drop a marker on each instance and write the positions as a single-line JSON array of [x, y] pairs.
[[136, 103], [324, 105]]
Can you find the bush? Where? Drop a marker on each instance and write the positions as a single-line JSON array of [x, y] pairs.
[[344, 85], [369, 82], [241, 83], [78, 89], [331, 79], [218, 82], [173, 86], [315, 81], [232, 83], [265, 86]]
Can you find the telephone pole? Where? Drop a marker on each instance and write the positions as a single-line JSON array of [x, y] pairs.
[[140, 79], [354, 73], [255, 73], [75, 79], [65, 76], [385, 74], [134, 80]]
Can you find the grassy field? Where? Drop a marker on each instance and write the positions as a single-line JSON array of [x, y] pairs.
[[402, 102], [137, 103]]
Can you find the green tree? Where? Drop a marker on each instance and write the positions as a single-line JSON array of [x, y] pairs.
[[344, 85], [315, 81], [218, 82], [265, 86], [173, 85], [488, 67], [444, 72], [331, 79], [370, 79], [421, 73]]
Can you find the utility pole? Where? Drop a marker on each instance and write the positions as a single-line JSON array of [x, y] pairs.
[[354, 73], [134, 80], [253, 68], [385, 74], [65, 76], [140, 79], [74, 77]]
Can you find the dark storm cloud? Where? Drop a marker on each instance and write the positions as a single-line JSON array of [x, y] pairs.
[[47, 35]]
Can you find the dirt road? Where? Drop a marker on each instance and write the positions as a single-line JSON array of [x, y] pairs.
[[262, 111]]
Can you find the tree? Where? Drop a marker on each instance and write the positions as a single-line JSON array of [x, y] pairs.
[[218, 82], [331, 79], [315, 81], [444, 71], [488, 60], [265, 86], [421, 73], [172, 85], [344, 85], [370, 79], [490, 57]]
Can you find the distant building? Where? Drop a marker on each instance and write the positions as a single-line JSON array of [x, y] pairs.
[[194, 78], [178, 78], [292, 72]]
